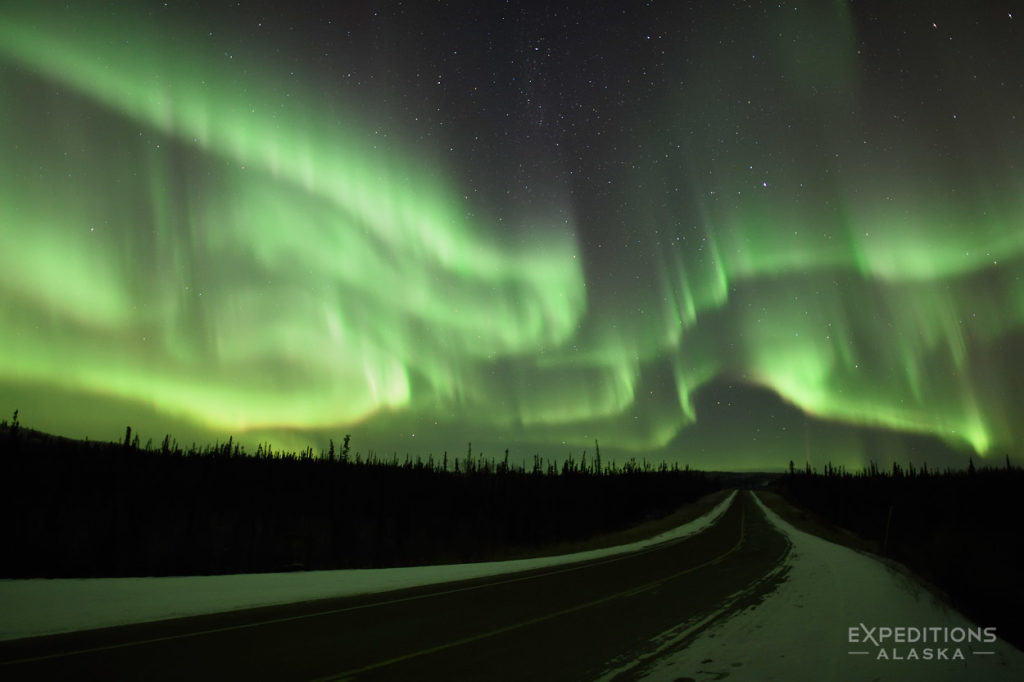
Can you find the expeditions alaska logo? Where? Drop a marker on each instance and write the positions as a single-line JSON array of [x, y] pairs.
[[912, 643]]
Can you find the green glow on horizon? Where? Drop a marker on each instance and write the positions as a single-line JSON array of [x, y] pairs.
[[183, 237]]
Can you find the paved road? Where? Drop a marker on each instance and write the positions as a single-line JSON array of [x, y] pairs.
[[572, 622]]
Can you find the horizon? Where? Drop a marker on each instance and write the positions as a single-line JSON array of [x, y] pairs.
[[371, 455]]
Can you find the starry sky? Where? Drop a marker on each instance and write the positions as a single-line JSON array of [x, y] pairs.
[[728, 234]]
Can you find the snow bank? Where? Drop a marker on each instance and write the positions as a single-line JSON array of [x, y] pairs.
[[801, 630], [48, 606]]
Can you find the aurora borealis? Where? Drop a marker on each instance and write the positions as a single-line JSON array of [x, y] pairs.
[[729, 236]]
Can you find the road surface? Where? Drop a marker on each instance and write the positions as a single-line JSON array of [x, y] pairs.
[[573, 622]]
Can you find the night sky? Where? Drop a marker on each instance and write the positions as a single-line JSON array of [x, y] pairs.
[[728, 234]]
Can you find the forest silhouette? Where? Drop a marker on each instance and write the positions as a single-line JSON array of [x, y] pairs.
[[92, 509], [957, 529]]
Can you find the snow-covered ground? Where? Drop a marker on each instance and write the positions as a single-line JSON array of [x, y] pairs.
[[48, 606], [801, 631]]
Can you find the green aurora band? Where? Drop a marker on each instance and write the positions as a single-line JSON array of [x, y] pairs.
[[178, 234]]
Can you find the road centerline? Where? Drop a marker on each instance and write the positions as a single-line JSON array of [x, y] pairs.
[[329, 612], [539, 619]]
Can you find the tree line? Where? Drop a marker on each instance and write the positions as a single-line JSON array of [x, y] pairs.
[[89, 509], [958, 529]]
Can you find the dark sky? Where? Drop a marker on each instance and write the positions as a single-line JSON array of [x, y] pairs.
[[728, 234]]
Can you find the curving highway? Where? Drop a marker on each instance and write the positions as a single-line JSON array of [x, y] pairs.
[[584, 621]]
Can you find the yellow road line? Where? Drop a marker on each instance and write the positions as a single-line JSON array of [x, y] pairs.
[[539, 619], [273, 621]]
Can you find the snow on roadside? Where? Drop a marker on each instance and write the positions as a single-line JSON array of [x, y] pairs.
[[43, 606], [801, 631]]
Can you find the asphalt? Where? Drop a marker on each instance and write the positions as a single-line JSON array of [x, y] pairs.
[[606, 618]]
